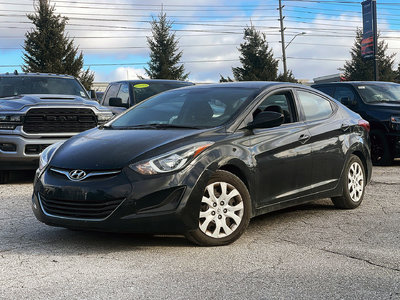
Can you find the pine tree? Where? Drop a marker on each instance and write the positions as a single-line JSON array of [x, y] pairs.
[[48, 49], [361, 69], [258, 62], [164, 55], [86, 78]]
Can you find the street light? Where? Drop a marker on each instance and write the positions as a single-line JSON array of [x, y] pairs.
[[301, 33], [284, 51]]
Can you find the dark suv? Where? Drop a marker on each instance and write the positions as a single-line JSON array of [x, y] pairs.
[[379, 104], [121, 95]]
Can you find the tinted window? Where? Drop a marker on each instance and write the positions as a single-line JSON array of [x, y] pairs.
[[143, 91], [25, 85], [314, 106], [111, 93], [197, 107], [123, 93], [281, 103], [326, 89], [343, 92]]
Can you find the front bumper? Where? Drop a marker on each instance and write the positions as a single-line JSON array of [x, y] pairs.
[[24, 157], [159, 204]]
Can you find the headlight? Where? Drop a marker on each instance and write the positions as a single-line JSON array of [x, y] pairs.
[[47, 154], [102, 118], [11, 118], [171, 161], [395, 119]]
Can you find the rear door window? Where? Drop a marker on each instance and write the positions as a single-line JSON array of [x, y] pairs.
[[314, 107]]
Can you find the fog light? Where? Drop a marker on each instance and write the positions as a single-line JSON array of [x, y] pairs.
[[8, 147], [7, 126]]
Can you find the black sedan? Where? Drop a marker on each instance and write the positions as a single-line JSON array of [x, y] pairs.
[[203, 160]]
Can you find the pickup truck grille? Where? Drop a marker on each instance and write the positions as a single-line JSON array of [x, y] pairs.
[[59, 120]]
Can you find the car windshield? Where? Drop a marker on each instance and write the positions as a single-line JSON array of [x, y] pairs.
[[379, 92], [143, 91], [189, 107], [25, 85]]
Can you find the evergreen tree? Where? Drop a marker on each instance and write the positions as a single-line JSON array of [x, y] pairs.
[[360, 69], [164, 55], [288, 78], [223, 79], [48, 49], [257, 59], [86, 78]]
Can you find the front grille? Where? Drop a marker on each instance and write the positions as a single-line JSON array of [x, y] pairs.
[[59, 120], [79, 210], [35, 149]]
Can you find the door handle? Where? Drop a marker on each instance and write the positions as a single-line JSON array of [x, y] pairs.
[[304, 138], [345, 127]]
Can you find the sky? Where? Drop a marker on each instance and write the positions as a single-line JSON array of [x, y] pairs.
[[112, 34]]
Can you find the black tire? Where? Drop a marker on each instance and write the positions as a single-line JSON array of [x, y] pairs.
[[4, 177], [353, 186], [381, 152], [220, 214]]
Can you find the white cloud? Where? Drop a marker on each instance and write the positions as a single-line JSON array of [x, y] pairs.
[[121, 73]]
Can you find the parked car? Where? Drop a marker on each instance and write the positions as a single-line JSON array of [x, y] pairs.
[[37, 110], [379, 104], [121, 95], [203, 160], [99, 96]]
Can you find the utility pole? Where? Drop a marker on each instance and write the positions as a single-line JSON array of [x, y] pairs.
[[281, 17], [375, 18]]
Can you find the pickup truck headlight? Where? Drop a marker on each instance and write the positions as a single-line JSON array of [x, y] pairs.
[[395, 119], [102, 118], [47, 154], [171, 161], [9, 122]]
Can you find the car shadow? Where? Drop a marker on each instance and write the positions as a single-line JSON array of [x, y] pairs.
[[23, 176]]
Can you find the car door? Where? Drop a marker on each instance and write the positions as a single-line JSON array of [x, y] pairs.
[[327, 130], [282, 154]]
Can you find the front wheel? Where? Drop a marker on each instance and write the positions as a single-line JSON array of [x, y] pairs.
[[354, 181], [225, 211]]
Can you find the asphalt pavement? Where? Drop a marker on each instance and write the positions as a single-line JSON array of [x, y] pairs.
[[312, 251]]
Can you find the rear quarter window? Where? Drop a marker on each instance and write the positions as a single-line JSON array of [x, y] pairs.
[[314, 106]]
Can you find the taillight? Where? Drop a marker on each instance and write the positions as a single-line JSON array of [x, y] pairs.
[[364, 124]]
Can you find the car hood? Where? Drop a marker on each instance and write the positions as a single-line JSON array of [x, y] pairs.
[[19, 102], [110, 149]]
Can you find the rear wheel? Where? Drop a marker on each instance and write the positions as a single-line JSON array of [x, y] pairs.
[[4, 176], [381, 152], [225, 211], [354, 181]]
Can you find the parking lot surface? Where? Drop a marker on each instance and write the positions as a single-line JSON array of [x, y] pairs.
[[311, 251]]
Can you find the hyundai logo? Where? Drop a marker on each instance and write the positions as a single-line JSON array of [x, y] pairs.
[[77, 175]]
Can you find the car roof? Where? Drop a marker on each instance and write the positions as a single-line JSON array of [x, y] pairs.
[[16, 74], [354, 83], [154, 80], [260, 85]]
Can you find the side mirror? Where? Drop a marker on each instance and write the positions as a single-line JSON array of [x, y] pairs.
[[266, 119], [117, 102], [93, 95], [347, 101]]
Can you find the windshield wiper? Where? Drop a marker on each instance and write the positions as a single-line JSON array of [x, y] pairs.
[[156, 126]]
